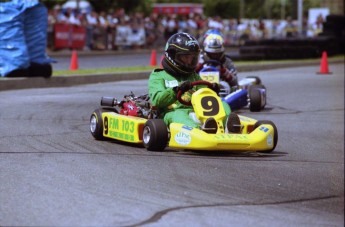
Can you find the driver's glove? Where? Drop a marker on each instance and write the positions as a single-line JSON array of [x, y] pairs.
[[183, 87], [226, 74]]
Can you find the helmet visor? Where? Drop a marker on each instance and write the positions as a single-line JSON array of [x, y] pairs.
[[188, 60], [215, 56]]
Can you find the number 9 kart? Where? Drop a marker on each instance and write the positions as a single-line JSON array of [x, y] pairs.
[[135, 120]]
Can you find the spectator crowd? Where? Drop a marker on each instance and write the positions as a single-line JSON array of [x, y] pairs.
[[116, 29]]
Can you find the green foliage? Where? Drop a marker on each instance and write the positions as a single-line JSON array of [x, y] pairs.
[[270, 9], [129, 6], [223, 8]]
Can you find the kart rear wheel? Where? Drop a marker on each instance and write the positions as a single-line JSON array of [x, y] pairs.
[[254, 99], [96, 124], [155, 135], [275, 137]]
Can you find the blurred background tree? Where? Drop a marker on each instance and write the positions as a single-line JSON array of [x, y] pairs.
[[266, 9]]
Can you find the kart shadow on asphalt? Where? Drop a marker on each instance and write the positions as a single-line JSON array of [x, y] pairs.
[[232, 154], [247, 111], [210, 153]]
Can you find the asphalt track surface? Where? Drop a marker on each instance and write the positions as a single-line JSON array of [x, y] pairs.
[[53, 173]]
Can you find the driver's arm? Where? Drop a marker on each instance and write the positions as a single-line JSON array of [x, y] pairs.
[[198, 67], [161, 94]]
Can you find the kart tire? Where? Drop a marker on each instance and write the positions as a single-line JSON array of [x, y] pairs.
[[96, 124], [107, 101], [262, 87], [155, 135], [254, 100], [257, 79], [275, 138]]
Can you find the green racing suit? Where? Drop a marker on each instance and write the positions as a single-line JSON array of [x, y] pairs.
[[163, 97]]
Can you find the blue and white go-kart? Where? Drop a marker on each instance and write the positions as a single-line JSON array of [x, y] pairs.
[[250, 93]]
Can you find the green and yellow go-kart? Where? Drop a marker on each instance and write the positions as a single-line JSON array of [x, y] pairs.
[[135, 121]]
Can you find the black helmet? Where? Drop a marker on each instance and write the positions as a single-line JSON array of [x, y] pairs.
[[181, 54]]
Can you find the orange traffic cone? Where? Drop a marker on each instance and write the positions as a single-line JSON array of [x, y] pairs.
[[153, 61], [74, 61], [324, 64]]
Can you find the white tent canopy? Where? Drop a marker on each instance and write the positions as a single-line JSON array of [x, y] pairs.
[[74, 4]]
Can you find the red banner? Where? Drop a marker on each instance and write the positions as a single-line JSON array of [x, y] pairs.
[[78, 37], [177, 8], [69, 36]]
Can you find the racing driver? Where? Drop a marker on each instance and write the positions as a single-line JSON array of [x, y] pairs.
[[179, 63], [213, 49]]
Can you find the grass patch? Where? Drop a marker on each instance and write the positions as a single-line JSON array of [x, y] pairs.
[[102, 71], [150, 68]]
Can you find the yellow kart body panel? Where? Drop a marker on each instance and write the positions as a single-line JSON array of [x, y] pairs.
[[206, 103], [123, 127], [129, 129], [183, 137]]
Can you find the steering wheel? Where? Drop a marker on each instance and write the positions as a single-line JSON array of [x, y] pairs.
[[195, 83]]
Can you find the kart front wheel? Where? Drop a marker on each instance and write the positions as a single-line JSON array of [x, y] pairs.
[[257, 97], [155, 135], [257, 79], [96, 124], [254, 99], [275, 137]]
